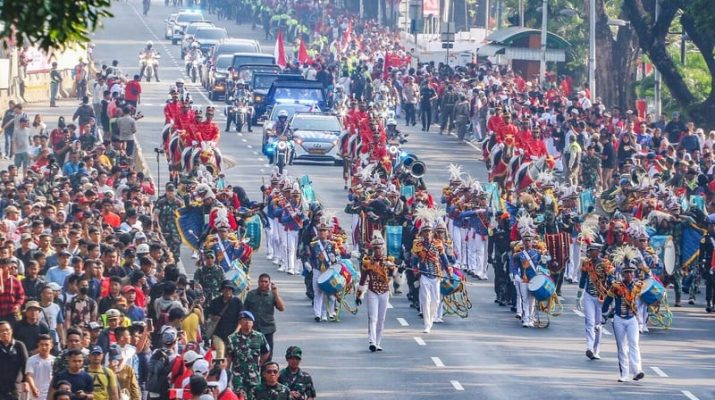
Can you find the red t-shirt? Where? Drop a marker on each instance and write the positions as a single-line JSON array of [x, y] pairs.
[[132, 90]]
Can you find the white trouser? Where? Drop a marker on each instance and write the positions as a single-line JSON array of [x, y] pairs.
[[376, 310], [429, 299], [457, 241], [642, 314], [283, 237], [291, 246], [575, 263], [475, 126], [462, 245], [592, 313], [477, 253], [355, 233], [525, 301], [269, 240], [629, 354], [319, 309], [276, 237]]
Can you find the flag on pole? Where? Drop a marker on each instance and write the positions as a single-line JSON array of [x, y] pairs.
[[303, 56], [279, 52]]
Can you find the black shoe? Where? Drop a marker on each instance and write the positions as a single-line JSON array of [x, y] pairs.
[[419, 315], [677, 304], [502, 304], [709, 308], [639, 376], [512, 309], [691, 302], [317, 319], [496, 301], [373, 348], [590, 355]]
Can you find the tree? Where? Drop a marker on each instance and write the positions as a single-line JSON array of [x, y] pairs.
[[51, 24], [697, 18]]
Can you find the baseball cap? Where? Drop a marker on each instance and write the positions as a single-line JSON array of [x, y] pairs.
[[168, 335], [93, 326], [143, 249], [96, 350], [129, 288], [32, 304], [294, 352], [113, 313], [54, 286], [115, 353], [246, 314], [25, 236], [201, 366]]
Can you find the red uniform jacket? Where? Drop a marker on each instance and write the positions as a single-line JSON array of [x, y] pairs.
[[209, 132], [171, 111]]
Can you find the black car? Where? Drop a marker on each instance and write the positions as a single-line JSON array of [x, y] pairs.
[[298, 92], [260, 85]]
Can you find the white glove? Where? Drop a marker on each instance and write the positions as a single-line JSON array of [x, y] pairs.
[[579, 303]]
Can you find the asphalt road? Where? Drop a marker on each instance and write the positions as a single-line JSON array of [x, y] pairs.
[[485, 356]]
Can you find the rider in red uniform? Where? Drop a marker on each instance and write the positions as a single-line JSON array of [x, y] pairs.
[[208, 129], [495, 121], [536, 147], [193, 130], [172, 108], [507, 128]]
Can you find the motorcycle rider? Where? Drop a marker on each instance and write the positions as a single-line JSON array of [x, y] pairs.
[[281, 126], [194, 54], [243, 97], [149, 53], [181, 89], [393, 133]]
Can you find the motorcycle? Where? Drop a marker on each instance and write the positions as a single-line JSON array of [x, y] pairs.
[[282, 153], [149, 63]]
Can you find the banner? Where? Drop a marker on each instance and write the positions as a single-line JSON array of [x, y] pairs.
[[4, 73], [430, 7], [37, 61]]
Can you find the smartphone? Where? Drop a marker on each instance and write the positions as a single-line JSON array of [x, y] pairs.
[[218, 361], [149, 324]]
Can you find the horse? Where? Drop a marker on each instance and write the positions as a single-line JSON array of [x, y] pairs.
[[487, 147], [500, 158], [205, 154], [528, 171]]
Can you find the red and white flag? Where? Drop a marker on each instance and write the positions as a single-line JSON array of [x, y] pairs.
[[347, 35], [303, 56], [279, 52]]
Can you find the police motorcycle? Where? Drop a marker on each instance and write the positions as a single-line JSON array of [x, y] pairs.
[[238, 112], [394, 135], [149, 62], [193, 61], [280, 147]]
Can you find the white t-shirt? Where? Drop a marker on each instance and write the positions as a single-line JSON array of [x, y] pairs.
[[52, 315], [41, 371]]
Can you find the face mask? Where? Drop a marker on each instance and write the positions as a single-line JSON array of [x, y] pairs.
[[83, 291]]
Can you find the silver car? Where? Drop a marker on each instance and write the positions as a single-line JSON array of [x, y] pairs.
[[189, 33], [316, 137], [183, 19]]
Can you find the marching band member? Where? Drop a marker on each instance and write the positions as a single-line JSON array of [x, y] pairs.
[[281, 201], [529, 257], [227, 247], [648, 261], [441, 233], [477, 221], [707, 263], [376, 272], [292, 220], [594, 275], [323, 254], [429, 258], [497, 255], [625, 323]]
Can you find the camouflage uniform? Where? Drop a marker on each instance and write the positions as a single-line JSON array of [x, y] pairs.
[[589, 171], [300, 382], [278, 392], [167, 220], [245, 353], [210, 278]]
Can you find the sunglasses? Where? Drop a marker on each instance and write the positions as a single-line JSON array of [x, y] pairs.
[[271, 371]]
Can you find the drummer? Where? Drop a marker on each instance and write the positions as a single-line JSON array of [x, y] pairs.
[[323, 254], [376, 272], [524, 265], [594, 284], [625, 324], [429, 258], [649, 262]]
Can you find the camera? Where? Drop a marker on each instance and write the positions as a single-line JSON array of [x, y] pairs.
[[158, 150]]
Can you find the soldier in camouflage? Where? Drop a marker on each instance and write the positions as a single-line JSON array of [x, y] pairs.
[[299, 382], [210, 276], [271, 389], [246, 350], [165, 212]]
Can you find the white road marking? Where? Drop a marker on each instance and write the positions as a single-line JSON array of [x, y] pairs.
[[402, 322], [260, 158], [244, 140], [267, 165], [389, 305], [255, 153], [456, 385], [420, 341], [689, 395], [659, 372], [579, 313], [249, 146], [437, 362]]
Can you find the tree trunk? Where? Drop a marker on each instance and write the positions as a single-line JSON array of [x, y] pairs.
[[615, 73]]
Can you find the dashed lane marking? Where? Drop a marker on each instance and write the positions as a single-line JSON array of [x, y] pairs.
[[437, 362], [244, 140], [402, 322], [389, 305], [420, 341], [255, 153], [689, 395], [579, 313], [456, 385], [249, 146], [659, 372]]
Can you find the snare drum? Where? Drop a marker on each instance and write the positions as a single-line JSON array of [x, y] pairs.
[[652, 291], [665, 249], [542, 287], [332, 281], [238, 277], [449, 285]]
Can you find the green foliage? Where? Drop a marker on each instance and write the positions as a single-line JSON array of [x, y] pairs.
[[52, 24]]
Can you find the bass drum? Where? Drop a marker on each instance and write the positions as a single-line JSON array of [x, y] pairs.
[[665, 249], [332, 281], [238, 277]]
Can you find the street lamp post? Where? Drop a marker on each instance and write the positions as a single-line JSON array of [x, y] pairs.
[[657, 99], [544, 22]]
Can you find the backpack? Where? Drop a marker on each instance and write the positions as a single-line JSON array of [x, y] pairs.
[[158, 370], [163, 317]]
